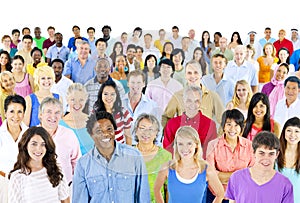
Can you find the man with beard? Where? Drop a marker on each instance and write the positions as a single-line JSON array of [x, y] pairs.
[[62, 83], [92, 86], [58, 50]]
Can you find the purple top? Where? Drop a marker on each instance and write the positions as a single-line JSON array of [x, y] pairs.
[[267, 88], [243, 189], [47, 43]]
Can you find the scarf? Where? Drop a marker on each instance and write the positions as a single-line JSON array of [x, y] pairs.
[[277, 92]]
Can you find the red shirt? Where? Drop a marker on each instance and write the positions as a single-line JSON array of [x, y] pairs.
[[205, 126], [284, 43]]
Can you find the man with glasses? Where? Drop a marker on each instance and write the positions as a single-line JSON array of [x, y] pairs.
[[110, 172]]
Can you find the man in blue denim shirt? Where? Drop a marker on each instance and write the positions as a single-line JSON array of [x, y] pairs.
[[110, 172]]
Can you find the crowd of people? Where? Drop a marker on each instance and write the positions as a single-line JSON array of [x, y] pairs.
[[138, 119]]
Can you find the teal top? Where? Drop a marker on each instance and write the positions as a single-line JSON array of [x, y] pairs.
[[294, 177], [154, 166], [85, 140]]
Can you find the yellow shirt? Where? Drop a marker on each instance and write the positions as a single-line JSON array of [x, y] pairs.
[[30, 69]]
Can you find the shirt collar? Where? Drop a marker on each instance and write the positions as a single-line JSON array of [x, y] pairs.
[[116, 152], [241, 141]]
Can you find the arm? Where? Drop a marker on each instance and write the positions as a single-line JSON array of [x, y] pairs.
[[231, 201], [170, 111], [128, 137], [224, 177], [254, 89], [159, 182], [68, 69], [277, 129], [66, 200], [80, 190], [218, 106], [215, 184], [31, 82], [27, 114]]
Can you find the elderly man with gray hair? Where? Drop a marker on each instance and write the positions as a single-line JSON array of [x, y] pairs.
[[192, 116]]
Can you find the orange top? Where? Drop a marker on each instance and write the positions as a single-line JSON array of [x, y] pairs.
[[264, 70]]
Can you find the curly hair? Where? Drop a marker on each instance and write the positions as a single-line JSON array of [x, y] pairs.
[[49, 160]]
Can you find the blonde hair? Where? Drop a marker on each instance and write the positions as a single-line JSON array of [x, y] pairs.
[[273, 48], [236, 99], [43, 71], [190, 133], [10, 76], [77, 87]]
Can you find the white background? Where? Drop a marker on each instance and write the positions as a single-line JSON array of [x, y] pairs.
[[212, 15]]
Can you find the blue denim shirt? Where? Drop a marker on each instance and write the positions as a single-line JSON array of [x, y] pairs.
[[123, 179]]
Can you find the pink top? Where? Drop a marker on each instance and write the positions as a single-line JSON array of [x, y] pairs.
[[220, 156], [23, 88], [67, 150]]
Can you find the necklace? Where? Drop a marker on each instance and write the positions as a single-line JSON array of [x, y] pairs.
[[153, 148]]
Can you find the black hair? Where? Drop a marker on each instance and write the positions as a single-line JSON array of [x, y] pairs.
[[14, 99], [36, 49], [266, 139], [292, 79], [57, 60], [235, 115], [96, 116]]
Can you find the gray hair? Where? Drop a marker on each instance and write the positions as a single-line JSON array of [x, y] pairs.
[[195, 64], [149, 117], [50, 100], [191, 88]]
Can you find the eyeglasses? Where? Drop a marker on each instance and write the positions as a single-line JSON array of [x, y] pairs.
[[145, 130]]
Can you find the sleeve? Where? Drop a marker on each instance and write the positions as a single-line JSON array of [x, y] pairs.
[[210, 153], [70, 43], [63, 189], [254, 80], [148, 92], [170, 111], [288, 195], [80, 191], [68, 68], [294, 59], [121, 90], [49, 53], [142, 190], [218, 106], [211, 135], [127, 119], [230, 188], [14, 188], [169, 136], [76, 153]]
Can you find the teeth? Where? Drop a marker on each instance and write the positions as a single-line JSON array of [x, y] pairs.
[[106, 140]]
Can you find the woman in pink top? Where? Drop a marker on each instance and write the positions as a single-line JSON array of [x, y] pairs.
[[258, 118], [24, 81], [230, 152]]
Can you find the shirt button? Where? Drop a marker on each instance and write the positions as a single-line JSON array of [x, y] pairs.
[[94, 181], [110, 189], [109, 175]]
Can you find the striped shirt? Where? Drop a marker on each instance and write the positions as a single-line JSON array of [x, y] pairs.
[[36, 187], [123, 122]]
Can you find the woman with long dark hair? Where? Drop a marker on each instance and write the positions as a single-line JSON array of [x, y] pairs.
[[288, 161], [36, 176], [109, 100], [258, 118]]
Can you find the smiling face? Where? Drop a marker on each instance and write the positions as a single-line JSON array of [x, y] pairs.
[[8, 83], [14, 114], [231, 129], [265, 158], [76, 101], [109, 97], [45, 82], [292, 135], [192, 75], [242, 92], [192, 103], [281, 73], [17, 65], [50, 116], [37, 57], [259, 110], [103, 134], [291, 91], [283, 55], [218, 64], [3, 59], [136, 85], [102, 69], [146, 131], [36, 148], [186, 147]]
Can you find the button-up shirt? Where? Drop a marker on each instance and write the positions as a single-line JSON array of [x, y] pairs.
[[283, 112], [121, 179]]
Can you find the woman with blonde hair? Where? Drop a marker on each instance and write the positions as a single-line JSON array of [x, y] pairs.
[[76, 119], [241, 98], [8, 84], [43, 79], [187, 174]]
